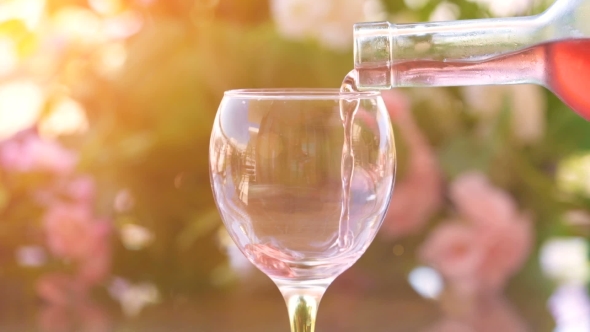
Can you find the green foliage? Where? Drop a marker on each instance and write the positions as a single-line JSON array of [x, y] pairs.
[[150, 126]]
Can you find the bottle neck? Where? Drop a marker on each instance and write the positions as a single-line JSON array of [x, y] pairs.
[[380, 48], [525, 66], [465, 40]]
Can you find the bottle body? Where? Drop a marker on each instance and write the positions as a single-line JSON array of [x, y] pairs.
[[451, 53]]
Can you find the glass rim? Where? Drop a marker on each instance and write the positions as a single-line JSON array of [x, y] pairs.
[[300, 93]]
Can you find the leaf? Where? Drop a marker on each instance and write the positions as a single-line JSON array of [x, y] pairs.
[[136, 146], [502, 130], [199, 227], [464, 154]]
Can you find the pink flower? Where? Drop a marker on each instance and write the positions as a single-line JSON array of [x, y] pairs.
[[488, 247], [418, 195], [94, 319], [474, 198], [492, 313], [33, 154], [453, 250], [97, 267], [485, 313], [60, 289], [81, 189], [68, 307], [449, 325], [73, 232], [506, 249]]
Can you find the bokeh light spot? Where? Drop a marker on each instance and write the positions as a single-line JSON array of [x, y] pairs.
[[426, 281], [67, 117], [398, 250], [20, 106]]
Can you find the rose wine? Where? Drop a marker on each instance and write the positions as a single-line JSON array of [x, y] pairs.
[[568, 73], [561, 66], [348, 109]]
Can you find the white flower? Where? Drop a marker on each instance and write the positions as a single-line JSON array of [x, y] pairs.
[[564, 259], [298, 18], [21, 104], [237, 261], [31, 256], [328, 21], [133, 298], [570, 306], [504, 8], [445, 11], [8, 56], [526, 103], [135, 237], [573, 175], [528, 112]]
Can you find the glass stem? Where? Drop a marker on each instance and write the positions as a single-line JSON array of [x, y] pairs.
[[302, 302]]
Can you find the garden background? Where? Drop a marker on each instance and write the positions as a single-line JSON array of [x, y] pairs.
[[107, 221]]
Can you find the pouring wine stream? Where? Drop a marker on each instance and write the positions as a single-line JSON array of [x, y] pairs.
[[348, 108]]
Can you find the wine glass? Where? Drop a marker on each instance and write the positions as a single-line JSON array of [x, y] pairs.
[[302, 180]]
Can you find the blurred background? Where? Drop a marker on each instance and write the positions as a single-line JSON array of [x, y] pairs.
[[107, 221]]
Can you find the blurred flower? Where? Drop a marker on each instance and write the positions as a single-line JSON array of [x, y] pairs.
[[74, 233], [61, 289], [565, 260], [573, 175], [123, 25], [32, 256], [96, 268], [450, 325], [55, 319], [474, 198], [81, 189], [238, 261], [79, 25], [29, 11], [481, 252], [414, 5], [33, 154], [485, 313], [445, 11], [8, 56], [20, 106], [526, 103], [133, 298], [528, 112], [67, 306], [106, 7], [123, 201], [426, 281], [328, 21], [418, 195], [135, 237], [577, 218], [110, 59], [67, 117], [453, 250], [570, 306], [506, 8]]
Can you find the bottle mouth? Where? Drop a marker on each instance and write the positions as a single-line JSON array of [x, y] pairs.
[[372, 54]]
